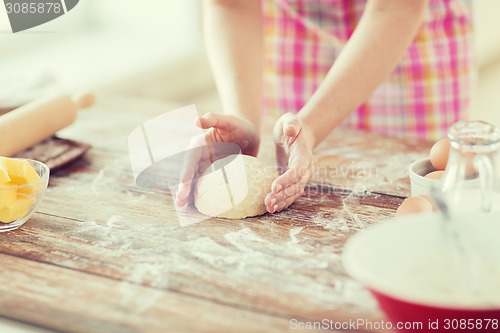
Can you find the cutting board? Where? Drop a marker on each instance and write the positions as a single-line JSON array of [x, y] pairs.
[[55, 152]]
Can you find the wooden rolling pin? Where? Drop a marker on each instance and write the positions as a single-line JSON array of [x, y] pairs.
[[36, 121]]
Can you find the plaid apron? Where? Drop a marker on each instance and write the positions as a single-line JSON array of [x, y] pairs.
[[427, 92]]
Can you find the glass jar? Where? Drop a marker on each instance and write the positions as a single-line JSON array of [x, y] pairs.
[[471, 181]]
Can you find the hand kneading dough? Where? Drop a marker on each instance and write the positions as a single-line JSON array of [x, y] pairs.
[[234, 187]]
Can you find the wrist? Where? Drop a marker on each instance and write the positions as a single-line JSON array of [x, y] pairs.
[[251, 134], [308, 133], [320, 120]]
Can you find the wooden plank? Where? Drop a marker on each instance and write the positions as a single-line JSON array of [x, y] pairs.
[[71, 301], [97, 227], [348, 159], [362, 162], [109, 123], [368, 161], [285, 264]]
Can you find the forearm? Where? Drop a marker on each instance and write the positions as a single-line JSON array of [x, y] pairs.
[[383, 34], [233, 38]]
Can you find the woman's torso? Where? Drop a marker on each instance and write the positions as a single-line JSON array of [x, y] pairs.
[[427, 92]]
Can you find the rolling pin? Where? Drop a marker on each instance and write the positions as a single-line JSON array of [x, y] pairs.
[[39, 120]]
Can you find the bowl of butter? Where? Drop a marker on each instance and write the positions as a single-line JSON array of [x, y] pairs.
[[23, 183]]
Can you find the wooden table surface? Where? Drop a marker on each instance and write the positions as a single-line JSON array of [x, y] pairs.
[[103, 255]]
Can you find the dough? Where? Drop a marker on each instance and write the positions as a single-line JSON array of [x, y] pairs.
[[234, 187]]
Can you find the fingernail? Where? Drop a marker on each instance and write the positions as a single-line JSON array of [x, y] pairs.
[[277, 188], [273, 201], [275, 208]]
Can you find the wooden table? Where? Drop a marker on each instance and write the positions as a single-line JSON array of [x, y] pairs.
[[103, 255]]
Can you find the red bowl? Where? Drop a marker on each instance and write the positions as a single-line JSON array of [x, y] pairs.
[[404, 264], [414, 317]]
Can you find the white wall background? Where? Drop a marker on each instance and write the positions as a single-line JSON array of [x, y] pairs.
[[486, 102], [487, 30], [104, 41], [153, 48]]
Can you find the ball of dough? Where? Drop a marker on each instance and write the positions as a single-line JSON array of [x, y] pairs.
[[234, 187]]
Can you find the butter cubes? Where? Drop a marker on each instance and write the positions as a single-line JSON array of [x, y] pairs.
[[18, 208], [4, 175], [15, 199], [8, 194]]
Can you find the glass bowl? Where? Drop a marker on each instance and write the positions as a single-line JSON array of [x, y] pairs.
[[23, 200]]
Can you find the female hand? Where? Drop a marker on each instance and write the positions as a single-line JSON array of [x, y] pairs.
[[203, 150], [295, 161]]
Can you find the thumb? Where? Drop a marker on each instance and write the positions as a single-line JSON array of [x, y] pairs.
[[288, 127], [208, 120], [291, 126]]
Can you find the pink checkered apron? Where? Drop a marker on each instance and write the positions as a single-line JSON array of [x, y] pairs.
[[427, 92]]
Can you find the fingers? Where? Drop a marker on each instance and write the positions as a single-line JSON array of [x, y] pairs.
[[189, 169], [291, 126], [206, 121], [287, 128], [286, 193], [286, 133], [184, 191], [277, 206], [294, 156], [215, 120], [283, 181], [285, 190], [183, 194]]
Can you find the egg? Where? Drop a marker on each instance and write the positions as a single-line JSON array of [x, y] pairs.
[[439, 154], [435, 175], [430, 200], [414, 205]]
